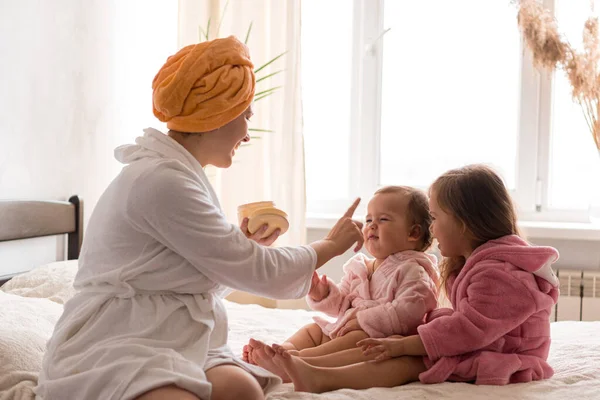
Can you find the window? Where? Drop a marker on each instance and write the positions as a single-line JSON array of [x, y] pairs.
[[402, 94], [326, 90], [573, 155], [450, 89]]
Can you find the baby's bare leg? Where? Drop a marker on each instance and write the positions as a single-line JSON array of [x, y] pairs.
[[348, 341], [339, 359], [307, 337]]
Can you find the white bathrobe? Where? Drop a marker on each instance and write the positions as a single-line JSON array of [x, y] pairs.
[[157, 258]]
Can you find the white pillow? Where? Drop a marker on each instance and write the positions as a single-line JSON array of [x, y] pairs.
[[53, 281], [26, 325]]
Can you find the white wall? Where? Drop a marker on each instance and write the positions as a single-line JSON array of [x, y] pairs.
[[75, 79]]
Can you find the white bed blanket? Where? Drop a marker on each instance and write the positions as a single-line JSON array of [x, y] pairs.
[[27, 322], [25, 326]]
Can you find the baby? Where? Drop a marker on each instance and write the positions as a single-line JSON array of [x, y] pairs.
[[378, 297]]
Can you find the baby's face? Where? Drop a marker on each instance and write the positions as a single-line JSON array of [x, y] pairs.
[[386, 229]]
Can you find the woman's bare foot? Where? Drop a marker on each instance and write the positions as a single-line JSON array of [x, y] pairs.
[[263, 355], [306, 378]]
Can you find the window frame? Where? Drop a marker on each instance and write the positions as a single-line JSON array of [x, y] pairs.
[[534, 140]]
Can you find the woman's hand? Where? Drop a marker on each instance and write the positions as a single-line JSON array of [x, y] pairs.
[[346, 231], [383, 349], [350, 326], [319, 288], [256, 236], [342, 236]]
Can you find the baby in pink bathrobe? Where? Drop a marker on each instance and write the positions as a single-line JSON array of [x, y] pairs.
[[378, 297], [393, 301], [502, 291]]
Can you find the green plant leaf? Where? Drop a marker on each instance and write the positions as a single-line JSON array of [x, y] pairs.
[[201, 34], [270, 62], [248, 33], [262, 97], [208, 28], [222, 17], [250, 143], [268, 76], [260, 130], [263, 92]]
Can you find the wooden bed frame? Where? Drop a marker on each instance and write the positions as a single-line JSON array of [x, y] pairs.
[[26, 219]]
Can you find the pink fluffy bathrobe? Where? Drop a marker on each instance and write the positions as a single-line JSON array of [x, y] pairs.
[[393, 302], [499, 330]]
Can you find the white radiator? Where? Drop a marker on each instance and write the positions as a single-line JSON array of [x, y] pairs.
[[579, 298]]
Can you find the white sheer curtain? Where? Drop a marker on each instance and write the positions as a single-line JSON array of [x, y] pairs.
[[271, 167]]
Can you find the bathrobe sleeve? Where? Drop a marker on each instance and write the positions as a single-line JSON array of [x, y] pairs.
[[437, 313], [336, 303], [493, 304], [414, 298], [170, 205]]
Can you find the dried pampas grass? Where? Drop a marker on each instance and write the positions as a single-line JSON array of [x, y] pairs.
[[550, 51]]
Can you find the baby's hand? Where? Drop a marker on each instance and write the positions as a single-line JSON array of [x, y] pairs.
[[319, 288], [384, 349], [350, 326]]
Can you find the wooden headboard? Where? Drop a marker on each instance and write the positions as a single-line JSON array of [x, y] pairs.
[[26, 219]]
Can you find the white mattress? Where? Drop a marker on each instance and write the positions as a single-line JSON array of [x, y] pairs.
[[575, 356], [575, 351]]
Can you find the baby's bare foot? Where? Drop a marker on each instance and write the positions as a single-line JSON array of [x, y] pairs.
[[248, 353], [263, 355]]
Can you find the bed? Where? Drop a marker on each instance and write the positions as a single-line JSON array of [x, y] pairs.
[[32, 303]]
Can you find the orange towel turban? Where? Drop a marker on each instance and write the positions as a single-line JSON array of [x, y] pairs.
[[204, 86]]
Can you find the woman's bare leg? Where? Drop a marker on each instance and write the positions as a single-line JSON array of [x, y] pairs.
[[230, 382], [170, 392]]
